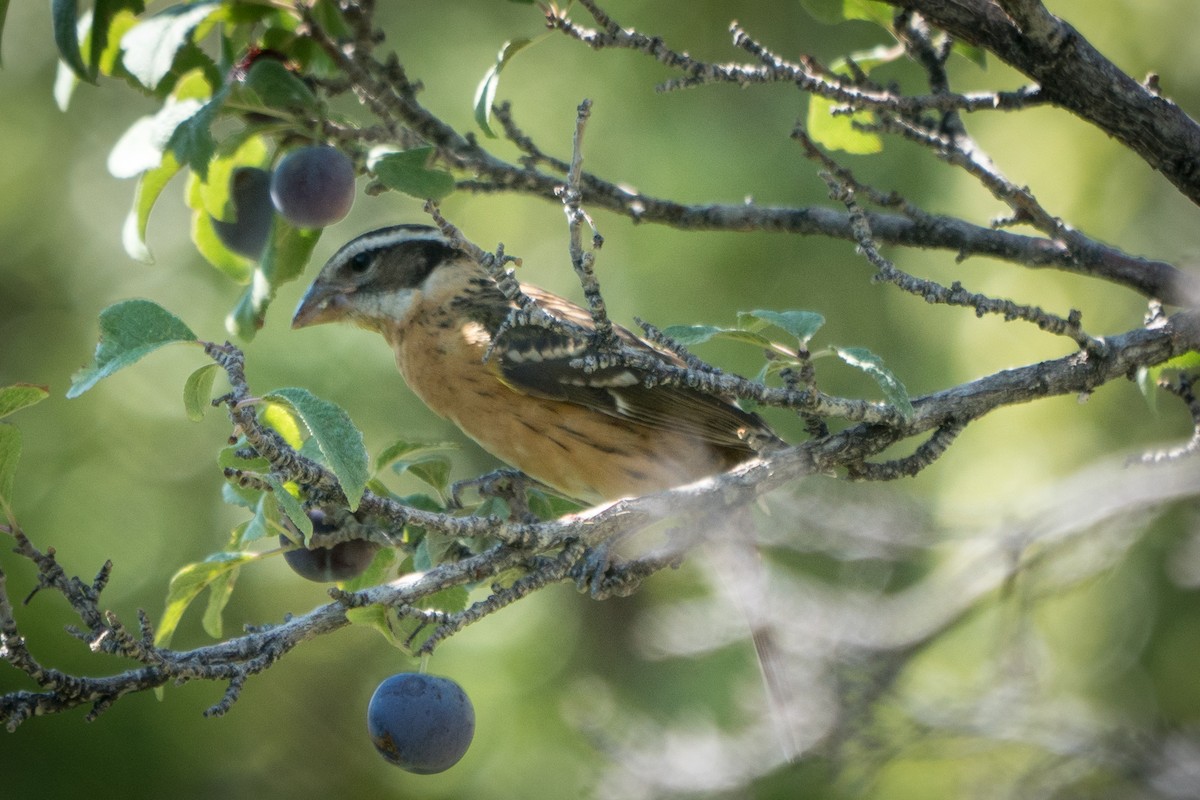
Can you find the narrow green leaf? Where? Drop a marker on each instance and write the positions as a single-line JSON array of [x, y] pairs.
[[64, 15], [219, 592], [688, 335], [294, 509], [340, 442], [151, 47], [485, 92], [129, 330], [801, 324], [149, 188], [197, 392], [10, 453], [100, 45], [1147, 383], [288, 251], [21, 395], [407, 172], [404, 449], [187, 584], [868, 362]]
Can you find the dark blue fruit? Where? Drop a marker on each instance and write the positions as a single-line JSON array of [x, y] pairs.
[[421, 723], [343, 561], [313, 186], [250, 192]]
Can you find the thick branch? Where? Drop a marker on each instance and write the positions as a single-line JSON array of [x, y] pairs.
[[1077, 77]]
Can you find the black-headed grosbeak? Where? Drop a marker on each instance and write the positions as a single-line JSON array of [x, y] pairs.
[[591, 435]]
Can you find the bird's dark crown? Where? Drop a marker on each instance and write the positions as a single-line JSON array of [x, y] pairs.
[[395, 257]]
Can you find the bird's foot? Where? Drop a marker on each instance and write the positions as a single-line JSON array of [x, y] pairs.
[[509, 485]]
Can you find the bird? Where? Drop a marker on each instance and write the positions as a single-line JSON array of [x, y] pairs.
[[517, 389]]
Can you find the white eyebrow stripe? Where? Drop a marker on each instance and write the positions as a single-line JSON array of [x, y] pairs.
[[372, 240]]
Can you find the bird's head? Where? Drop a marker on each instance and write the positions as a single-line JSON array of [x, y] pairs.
[[375, 279]]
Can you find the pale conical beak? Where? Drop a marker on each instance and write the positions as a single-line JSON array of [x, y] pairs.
[[322, 303]]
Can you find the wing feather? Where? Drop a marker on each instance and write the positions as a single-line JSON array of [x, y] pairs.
[[537, 361]]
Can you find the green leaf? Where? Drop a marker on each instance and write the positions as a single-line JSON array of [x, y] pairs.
[[451, 600], [485, 92], [197, 392], [212, 194], [327, 15], [1148, 377], [870, 10], [64, 15], [129, 330], [143, 145], [187, 584], [219, 592], [101, 47], [294, 509], [150, 48], [432, 469], [801, 324], [340, 442], [832, 12], [192, 141], [868, 362], [265, 522], [377, 618], [688, 335], [404, 449], [1147, 383], [275, 86], [976, 55], [287, 252], [149, 187], [407, 172], [227, 457], [20, 395], [550, 506], [10, 453], [236, 267], [837, 132]]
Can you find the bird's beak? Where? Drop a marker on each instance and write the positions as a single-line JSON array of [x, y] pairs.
[[322, 303]]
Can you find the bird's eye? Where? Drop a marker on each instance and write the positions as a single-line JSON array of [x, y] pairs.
[[360, 262]]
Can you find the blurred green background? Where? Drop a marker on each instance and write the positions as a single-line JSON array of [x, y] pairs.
[[120, 473]]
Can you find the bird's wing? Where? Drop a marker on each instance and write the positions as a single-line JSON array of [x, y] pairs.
[[537, 361]]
